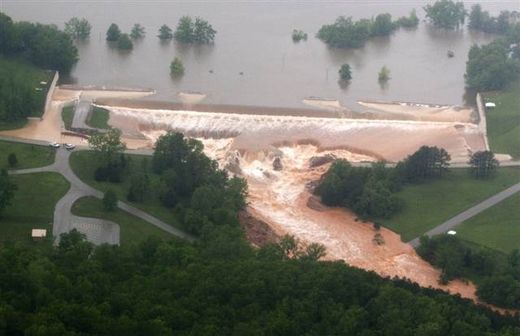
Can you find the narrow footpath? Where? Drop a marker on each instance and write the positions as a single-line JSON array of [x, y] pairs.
[[97, 230]]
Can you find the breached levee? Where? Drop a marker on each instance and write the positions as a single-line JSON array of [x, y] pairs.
[[391, 140], [280, 156]]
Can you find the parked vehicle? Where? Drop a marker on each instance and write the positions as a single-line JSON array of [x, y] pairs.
[[69, 146], [54, 145]]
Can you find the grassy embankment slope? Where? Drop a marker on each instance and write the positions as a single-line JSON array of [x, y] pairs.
[[28, 156], [132, 229], [29, 74], [497, 227], [503, 122], [32, 207], [67, 115], [84, 164], [430, 204], [98, 118]]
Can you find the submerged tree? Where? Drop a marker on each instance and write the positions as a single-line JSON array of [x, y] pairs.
[[298, 35], [113, 33], [384, 74], [78, 28], [165, 33], [137, 32], [200, 31], [446, 14], [176, 68], [345, 73], [124, 42]]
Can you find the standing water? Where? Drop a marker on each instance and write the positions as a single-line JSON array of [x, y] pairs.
[[254, 38]]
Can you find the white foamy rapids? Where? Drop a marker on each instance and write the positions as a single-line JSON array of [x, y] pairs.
[[389, 139]]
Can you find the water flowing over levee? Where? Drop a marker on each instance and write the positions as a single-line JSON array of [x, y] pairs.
[[386, 139]]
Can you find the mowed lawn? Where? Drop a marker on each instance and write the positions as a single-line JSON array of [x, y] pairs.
[[28, 156], [430, 204], [32, 206], [84, 164], [503, 122], [132, 229], [67, 115], [497, 227]]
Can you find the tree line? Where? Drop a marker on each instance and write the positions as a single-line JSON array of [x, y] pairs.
[[218, 286], [371, 191], [42, 45], [496, 275], [180, 177], [347, 33]]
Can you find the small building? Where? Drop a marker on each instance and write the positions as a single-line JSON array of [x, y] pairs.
[[490, 105], [38, 234]]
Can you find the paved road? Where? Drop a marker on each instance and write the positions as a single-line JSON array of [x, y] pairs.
[[82, 109], [97, 230], [463, 216]]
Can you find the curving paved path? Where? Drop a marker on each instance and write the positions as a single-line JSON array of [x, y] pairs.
[[97, 230], [471, 212]]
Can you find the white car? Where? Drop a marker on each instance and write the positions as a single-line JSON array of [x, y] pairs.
[[54, 145], [69, 146]]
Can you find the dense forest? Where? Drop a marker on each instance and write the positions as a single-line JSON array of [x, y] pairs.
[[21, 95], [218, 286], [43, 45], [497, 64], [497, 276]]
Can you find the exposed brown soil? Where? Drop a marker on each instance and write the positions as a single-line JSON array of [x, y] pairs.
[[258, 232]]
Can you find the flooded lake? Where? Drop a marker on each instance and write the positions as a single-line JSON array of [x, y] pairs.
[[254, 37]]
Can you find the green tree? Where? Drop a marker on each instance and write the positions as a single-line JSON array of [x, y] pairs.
[[78, 28], [446, 14], [110, 200], [12, 161], [298, 35], [345, 73], [113, 33], [426, 163], [139, 188], [7, 189], [165, 33], [124, 42], [411, 21], [384, 74], [383, 25], [185, 30], [490, 68], [203, 32], [176, 68], [483, 164], [107, 145], [137, 32]]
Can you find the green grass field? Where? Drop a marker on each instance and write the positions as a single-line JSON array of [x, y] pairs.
[[132, 229], [503, 122], [32, 206], [430, 204], [28, 156], [98, 118], [67, 114], [84, 164], [498, 227]]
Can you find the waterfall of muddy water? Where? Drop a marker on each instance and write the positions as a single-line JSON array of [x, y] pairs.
[[280, 198], [391, 140]]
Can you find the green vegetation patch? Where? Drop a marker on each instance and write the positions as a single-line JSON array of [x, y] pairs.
[[98, 118], [429, 204], [21, 94], [31, 207], [503, 121], [67, 115], [498, 227], [27, 155], [84, 164], [132, 229]]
